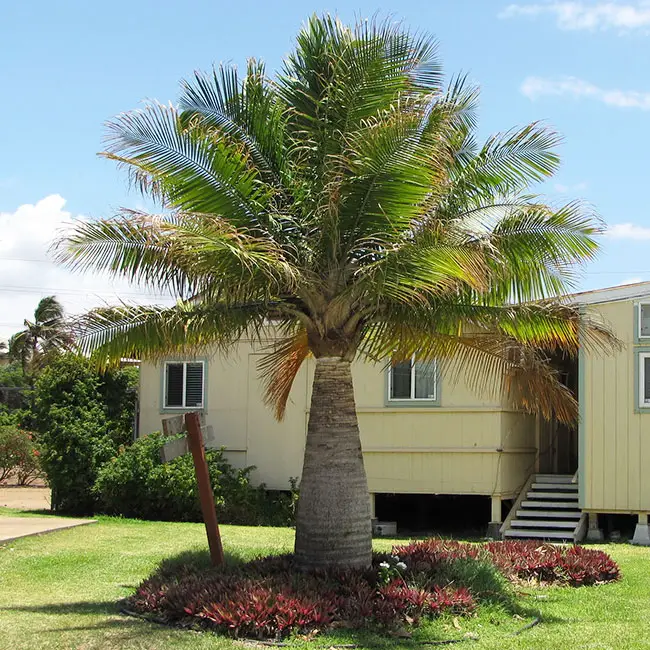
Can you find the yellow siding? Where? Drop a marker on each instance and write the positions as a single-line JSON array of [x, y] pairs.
[[517, 461], [450, 449], [275, 448], [615, 437]]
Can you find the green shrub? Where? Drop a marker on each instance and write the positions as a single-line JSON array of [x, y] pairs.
[[9, 417], [19, 457], [137, 484], [14, 387], [80, 426]]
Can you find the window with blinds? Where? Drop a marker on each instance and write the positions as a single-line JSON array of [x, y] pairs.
[[644, 321], [184, 384], [413, 380], [644, 380]]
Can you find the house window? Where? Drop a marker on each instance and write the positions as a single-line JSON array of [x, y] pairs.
[[184, 384], [644, 380], [644, 320], [413, 380]]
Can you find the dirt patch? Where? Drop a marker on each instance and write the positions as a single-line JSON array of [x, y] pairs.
[[25, 498]]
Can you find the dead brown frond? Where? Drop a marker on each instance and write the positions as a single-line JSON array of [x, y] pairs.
[[279, 369], [534, 385]]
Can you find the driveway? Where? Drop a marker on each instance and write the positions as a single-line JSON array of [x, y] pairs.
[[30, 498], [15, 527], [25, 498]]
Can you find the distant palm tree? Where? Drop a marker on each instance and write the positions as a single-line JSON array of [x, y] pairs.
[[48, 332], [347, 203]]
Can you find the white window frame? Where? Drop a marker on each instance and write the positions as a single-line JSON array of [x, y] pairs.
[[184, 407], [641, 336], [413, 398], [643, 404]]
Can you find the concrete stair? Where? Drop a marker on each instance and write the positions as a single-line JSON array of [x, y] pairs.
[[548, 510]]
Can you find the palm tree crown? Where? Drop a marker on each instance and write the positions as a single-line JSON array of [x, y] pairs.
[[348, 202], [47, 333]]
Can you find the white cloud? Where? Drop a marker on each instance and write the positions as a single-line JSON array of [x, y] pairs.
[[634, 280], [586, 16], [628, 231], [27, 272], [536, 87]]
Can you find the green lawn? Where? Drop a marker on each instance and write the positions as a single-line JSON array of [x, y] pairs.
[[60, 591]]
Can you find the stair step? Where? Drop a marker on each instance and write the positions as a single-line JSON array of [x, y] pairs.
[[541, 523], [554, 478], [534, 494], [551, 505], [539, 534], [550, 514], [573, 487]]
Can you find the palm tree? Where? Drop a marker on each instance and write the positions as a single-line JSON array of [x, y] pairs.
[[346, 205], [47, 333]]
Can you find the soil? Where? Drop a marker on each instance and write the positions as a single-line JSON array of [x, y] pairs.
[[25, 498]]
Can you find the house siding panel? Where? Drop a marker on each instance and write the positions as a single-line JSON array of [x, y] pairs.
[[616, 435], [448, 448]]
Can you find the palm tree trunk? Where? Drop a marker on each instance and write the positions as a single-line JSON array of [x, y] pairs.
[[333, 515]]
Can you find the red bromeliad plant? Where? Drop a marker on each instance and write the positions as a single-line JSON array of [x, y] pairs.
[[525, 560], [267, 598]]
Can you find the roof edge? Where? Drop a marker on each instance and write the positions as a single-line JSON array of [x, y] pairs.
[[611, 294]]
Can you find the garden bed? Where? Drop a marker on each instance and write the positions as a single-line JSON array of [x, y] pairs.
[[269, 598]]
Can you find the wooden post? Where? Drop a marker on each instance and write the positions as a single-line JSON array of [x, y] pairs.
[[195, 442]]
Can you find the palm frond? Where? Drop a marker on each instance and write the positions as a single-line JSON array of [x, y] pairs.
[[414, 274], [391, 173], [194, 173], [187, 253], [506, 163], [111, 333], [557, 327], [538, 249], [247, 110], [20, 345], [48, 309]]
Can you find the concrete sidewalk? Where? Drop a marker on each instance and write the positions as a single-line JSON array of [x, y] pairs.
[[15, 527]]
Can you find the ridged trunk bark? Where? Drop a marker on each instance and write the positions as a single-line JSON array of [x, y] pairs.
[[333, 516]]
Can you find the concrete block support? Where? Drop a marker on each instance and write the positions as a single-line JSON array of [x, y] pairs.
[[594, 534], [493, 531], [642, 532]]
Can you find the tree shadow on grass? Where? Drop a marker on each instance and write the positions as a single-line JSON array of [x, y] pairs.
[[197, 559], [96, 607], [122, 625], [20, 512]]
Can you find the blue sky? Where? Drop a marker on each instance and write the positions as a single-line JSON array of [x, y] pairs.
[[69, 66]]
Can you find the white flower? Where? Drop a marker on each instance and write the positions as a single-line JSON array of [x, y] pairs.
[[384, 565], [401, 566], [395, 558]]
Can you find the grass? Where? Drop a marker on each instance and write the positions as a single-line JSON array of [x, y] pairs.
[[60, 591]]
